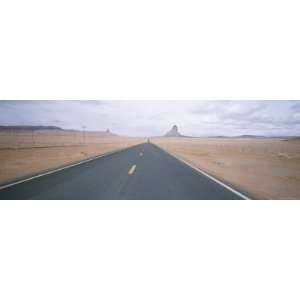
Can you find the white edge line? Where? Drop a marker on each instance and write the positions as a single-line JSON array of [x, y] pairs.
[[62, 168], [206, 174]]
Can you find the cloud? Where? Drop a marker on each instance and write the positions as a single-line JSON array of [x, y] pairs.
[[296, 106], [229, 109], [255, 116]]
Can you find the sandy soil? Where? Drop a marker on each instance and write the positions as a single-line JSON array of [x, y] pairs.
[[262, 168], [17, 139], [50, 152]]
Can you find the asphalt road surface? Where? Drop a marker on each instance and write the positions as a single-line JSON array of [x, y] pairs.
[[141, 172]]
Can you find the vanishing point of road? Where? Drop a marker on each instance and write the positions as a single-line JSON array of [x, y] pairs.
[[143, 171]]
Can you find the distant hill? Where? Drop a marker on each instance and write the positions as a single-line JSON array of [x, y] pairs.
[[173, 132], [294, 138], [25, 127], [268, 137], [53, 129], [250, 136]]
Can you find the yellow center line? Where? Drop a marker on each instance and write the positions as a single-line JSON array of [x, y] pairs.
[[132, 169]]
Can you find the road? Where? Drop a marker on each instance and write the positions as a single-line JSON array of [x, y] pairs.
[[140, 172]]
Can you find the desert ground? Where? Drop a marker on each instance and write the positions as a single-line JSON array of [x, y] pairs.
[[23, 153], [262, 168]]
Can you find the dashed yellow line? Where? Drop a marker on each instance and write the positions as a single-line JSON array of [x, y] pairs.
[[132, 169]]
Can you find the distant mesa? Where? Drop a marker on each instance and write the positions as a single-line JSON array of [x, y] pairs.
[[107, 132], [251, 136], [173, 132], [29, 127], [54, 129]]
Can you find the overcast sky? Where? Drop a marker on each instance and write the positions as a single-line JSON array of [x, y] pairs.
[[150, 118]]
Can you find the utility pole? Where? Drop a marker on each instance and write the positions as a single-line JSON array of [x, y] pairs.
[[74, 137], [83, 134], [33, 140], [13, 139]]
